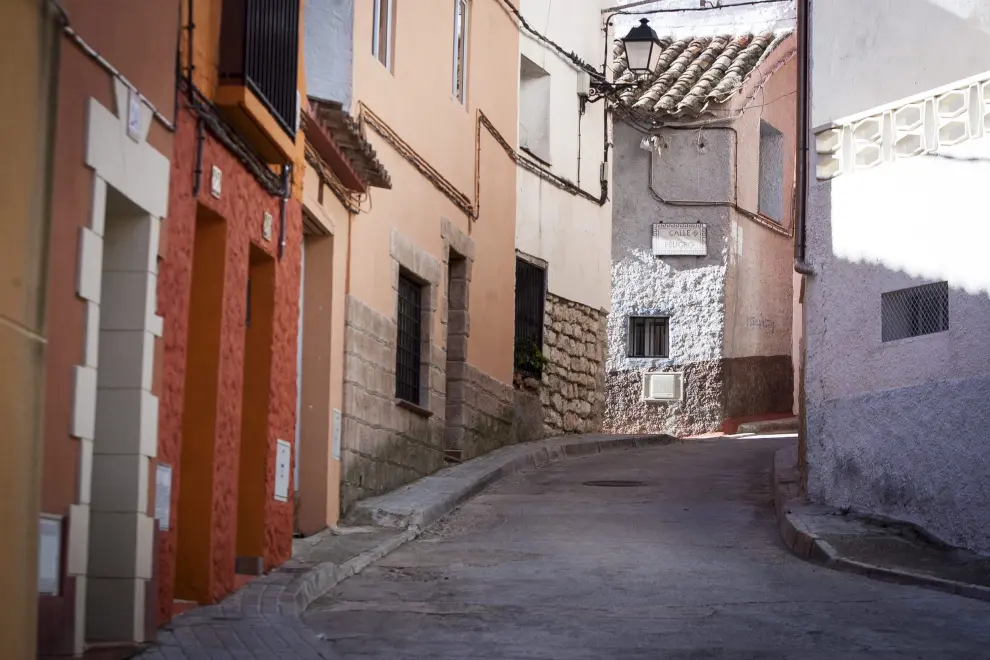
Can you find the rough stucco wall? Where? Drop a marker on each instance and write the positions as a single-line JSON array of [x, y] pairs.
[[241, 205], [328, 39], [690, 289], [896, 428]]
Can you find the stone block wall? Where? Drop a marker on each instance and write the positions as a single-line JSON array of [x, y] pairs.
[[384, 445], [487, 416], [573, 387]]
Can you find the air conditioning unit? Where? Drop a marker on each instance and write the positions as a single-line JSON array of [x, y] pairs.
[[668, 386]]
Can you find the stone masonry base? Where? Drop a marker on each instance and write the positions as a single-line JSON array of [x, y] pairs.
[[573, 387], [714, 390], [386, 444]]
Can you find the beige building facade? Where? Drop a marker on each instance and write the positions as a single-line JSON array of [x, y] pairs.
[[423, 316]]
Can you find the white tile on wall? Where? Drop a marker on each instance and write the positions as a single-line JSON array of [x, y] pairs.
[[90, 273], [84, 403]]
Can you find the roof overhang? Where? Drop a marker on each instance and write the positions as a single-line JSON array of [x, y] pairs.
[[338, 139]]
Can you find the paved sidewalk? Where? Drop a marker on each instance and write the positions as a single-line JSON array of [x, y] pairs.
[[262, 620], [881, 549]]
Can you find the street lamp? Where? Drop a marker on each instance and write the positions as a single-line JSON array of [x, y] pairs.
[[643, 51], [642, 48]]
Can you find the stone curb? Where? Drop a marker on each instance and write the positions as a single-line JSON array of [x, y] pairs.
[[807, 545]]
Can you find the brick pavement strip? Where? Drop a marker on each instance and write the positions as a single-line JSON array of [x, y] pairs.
[[262, 620]]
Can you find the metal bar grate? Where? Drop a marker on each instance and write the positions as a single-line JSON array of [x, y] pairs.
[[913, 312], [260, 47], [408, 345]]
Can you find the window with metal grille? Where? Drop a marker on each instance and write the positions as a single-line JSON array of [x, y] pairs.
[[649, 337], [531, 287], [259, 46], [919, 310], [410, 335]]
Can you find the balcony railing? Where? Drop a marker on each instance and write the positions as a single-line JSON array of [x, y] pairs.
[[259, 48]]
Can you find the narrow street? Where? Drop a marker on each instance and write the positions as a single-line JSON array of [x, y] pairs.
[[687, 565]]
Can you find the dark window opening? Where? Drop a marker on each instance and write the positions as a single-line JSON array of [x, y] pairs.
[[410, 336], [916, 311], [531, 286], [649, 337]]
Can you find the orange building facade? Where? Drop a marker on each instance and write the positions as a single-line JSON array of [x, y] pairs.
[[228, 292]]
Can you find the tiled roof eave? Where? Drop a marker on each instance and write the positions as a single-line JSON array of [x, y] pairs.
[[696, 75], [348, 137]]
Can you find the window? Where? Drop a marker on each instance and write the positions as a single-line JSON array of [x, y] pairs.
[[771, 172], [460, 49], [409, 340], [534, 109], [919, 310], [649, 337], [531, 283], [383, 37]]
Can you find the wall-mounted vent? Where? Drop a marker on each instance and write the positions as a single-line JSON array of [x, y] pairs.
[[663, 386]]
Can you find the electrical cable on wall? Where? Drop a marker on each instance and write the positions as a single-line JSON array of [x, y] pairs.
[[471, 208]]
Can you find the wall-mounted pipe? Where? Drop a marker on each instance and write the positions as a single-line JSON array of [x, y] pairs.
[[286, 191], [190, 29], [803, 128], [734, 202], [198, 170]]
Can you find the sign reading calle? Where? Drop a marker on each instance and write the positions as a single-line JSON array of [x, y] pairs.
[[671, 240]]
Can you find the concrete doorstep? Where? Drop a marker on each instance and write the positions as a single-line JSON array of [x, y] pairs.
[[881, 549], [265, 614]]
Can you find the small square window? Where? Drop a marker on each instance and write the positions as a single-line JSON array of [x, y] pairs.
[[408, 355], [534, 109], [649, 337], [771, 191]]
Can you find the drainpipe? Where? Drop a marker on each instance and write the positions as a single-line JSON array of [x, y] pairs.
[[286, 192], [803, 128], [800, 227]]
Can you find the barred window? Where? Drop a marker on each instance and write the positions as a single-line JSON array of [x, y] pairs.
[[410, 335], [649, 337], [916, 311], [531, 287]]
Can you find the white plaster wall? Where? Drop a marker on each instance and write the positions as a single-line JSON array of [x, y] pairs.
[[328, 40], [572, 234], [866, 53], [898, 428]]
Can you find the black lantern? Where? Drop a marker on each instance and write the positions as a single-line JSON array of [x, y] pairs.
[[642, 48]]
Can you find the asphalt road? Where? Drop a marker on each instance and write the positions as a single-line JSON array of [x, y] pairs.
[[687, 565]]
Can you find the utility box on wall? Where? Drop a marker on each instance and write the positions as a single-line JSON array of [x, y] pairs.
[[663, 387]]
